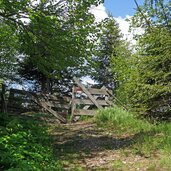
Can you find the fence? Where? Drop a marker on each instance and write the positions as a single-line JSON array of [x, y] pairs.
[[3, 101], [85, 101], [22, 101]]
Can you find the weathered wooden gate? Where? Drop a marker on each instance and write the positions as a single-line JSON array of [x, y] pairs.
[[85, 101]]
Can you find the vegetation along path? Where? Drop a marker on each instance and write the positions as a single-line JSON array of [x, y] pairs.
[[84, 146]]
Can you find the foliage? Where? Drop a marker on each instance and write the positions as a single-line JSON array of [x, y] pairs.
[[48, 33], [153, 67], [144, 77], [25, 145], [8, 51], [154, 12], [56, 45], [122, 66], [107, 47]]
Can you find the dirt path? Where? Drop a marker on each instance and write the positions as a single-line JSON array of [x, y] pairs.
[[83, 146]]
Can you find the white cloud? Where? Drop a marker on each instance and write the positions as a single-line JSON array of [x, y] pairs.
[[99, 12], [124, 27], [87, 80]]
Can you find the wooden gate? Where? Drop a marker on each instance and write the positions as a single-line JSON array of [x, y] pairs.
[[85, 101]]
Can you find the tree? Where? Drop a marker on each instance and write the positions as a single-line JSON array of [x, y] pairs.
[[110, 39], [154, 78], [148, 80], [59, 42], [152, 13], [54, 35]]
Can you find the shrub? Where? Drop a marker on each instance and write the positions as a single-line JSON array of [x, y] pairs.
[[25, 145]]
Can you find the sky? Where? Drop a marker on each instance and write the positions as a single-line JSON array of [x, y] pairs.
[[121, 8]]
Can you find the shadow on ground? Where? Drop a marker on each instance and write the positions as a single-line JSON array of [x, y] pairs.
[[75, 143]]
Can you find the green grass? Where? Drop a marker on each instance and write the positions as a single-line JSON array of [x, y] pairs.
[[25, 145], [121, 120], [148, 140]]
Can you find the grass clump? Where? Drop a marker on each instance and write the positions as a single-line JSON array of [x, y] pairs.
[[25, 145], [122, 120]]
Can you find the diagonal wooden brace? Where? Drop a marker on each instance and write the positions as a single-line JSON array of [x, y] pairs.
[[87, 93]]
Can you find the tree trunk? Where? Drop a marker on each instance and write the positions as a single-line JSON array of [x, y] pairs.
[[46, 85], [43, 86], [3, 101]]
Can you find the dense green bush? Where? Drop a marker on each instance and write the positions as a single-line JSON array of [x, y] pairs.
[[26, 145]]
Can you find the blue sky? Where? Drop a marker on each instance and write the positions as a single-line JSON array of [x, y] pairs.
[[121, 7]]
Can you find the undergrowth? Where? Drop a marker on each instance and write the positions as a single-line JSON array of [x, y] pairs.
[[25, 145]]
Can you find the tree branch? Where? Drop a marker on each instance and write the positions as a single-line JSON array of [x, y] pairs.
[[142, 14]]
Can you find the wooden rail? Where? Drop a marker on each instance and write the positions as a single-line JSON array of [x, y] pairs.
[[3, 99], [24, 100]]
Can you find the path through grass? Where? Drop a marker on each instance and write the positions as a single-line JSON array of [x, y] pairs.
[[83, 146]]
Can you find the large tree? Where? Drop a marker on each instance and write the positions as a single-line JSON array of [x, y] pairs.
[[54, 35], [148, 78], [8, 51], [107, 46]]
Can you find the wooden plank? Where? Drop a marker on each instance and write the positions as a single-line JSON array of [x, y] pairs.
[[87, 106], [84, 112], [110, 92], [93, 91], [41, 95], [45, 106], [97, 91], [89, 102], [20, 100], [16, 101], [73, 105], [57, 105], [59, 117], [23, 92], [87, 93]]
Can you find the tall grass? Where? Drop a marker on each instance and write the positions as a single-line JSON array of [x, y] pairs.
[[122, 120]]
